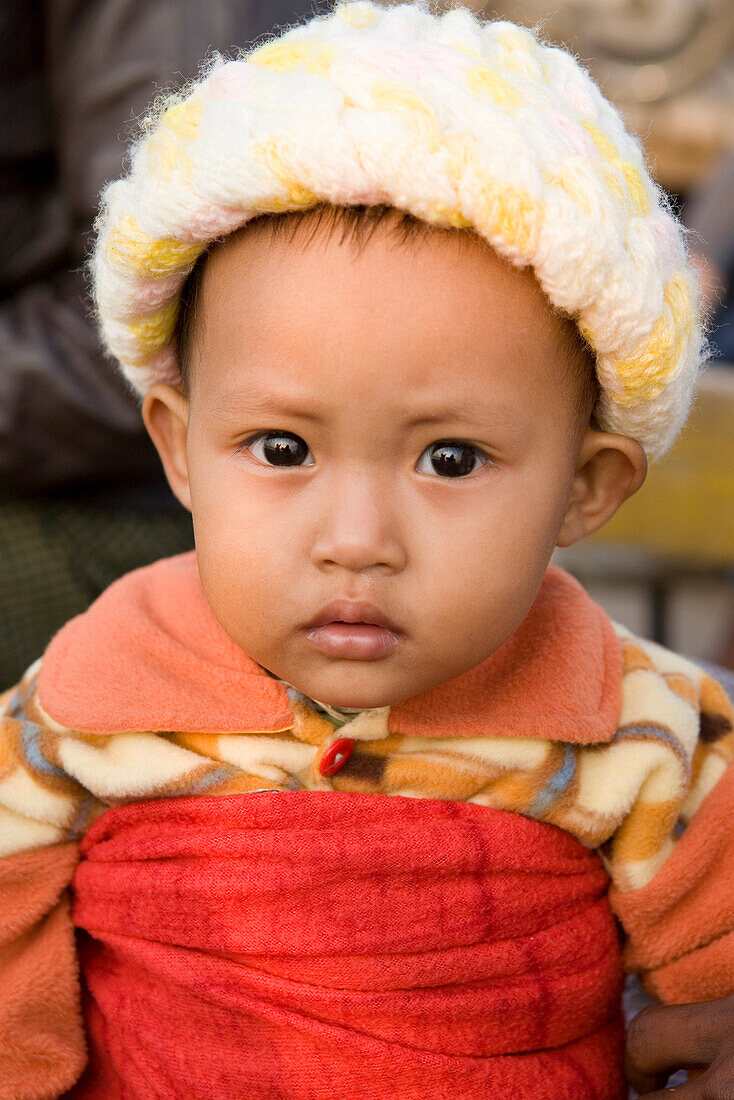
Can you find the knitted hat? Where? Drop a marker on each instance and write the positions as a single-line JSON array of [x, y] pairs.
[[462, 123]]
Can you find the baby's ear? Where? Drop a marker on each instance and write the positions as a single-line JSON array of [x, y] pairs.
[[610, 468], [166, 416]]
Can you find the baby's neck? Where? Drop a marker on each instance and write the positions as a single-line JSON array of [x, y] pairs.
[[338, 716]]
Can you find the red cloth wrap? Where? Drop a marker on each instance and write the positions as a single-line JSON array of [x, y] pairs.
[[310, 945]]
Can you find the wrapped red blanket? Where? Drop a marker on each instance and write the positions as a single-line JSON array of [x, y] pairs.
[[312, 945]]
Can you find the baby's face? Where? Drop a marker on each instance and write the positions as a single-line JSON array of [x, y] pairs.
[[380, 452]]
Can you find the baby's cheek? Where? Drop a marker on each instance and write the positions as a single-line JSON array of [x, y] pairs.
[[488, 610]]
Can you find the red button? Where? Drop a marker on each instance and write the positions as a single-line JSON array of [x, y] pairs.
[[336, 756]]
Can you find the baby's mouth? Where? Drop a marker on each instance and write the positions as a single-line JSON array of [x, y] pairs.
[[352, 630]]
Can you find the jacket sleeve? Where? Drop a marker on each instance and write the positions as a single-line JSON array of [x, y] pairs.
[[42, 1048], [680, 924]]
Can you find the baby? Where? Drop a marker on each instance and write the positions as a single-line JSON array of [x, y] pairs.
[[350, 799]]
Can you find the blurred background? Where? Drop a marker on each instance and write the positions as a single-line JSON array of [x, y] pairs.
[[82, 499]]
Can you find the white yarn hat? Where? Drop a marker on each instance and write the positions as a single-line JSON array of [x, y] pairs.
[[462, 123]]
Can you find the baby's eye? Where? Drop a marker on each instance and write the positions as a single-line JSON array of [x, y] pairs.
[[451, 458], [279, 449]]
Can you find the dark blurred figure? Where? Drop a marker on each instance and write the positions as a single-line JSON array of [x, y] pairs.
[[82, 496], [709, 212]]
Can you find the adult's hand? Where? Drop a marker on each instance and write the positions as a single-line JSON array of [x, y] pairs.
[[663, 1039]]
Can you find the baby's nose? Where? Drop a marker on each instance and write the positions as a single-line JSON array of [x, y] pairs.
[[358, 528]]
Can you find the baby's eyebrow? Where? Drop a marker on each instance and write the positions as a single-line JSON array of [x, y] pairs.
[[440, 416], [231, 404], [235, 402], [480, 414]]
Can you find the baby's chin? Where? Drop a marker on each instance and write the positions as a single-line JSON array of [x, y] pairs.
[[349, 698], [349, 686]]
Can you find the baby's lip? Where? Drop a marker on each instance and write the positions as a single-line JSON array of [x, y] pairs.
[[351, 611]]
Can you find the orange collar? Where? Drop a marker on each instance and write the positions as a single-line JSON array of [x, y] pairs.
[[149, 655]]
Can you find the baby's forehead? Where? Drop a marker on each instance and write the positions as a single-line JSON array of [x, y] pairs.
[[293, 285], [301, 243]]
